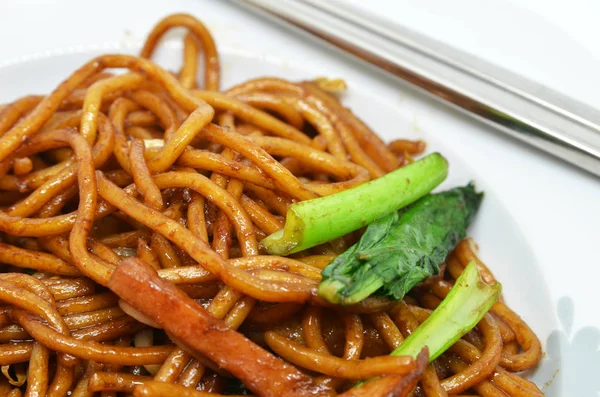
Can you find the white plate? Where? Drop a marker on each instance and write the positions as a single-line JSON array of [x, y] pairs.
[[503, 246]]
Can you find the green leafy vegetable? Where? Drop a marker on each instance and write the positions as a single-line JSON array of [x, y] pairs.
[[313, 222], [464, 306], [400, 249]]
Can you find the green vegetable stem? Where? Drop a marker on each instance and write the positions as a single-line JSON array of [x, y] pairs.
[[462, 309], [464, 306], [313, 222], [400, 249]]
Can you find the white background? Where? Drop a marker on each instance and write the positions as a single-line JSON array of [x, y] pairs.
[[556, 43]]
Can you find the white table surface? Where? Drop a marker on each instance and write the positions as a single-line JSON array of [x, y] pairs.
[[554, 42]]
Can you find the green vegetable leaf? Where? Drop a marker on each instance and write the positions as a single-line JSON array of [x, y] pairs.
[[400, 249]]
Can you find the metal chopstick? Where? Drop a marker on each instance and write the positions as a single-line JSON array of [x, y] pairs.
[[516, 106]]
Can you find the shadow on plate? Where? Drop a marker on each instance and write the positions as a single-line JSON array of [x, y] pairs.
[[580, 360]]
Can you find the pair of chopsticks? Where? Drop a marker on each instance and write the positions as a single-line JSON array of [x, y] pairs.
[[513, 105]]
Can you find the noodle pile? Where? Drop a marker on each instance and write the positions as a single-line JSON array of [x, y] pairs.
[[113, 171]]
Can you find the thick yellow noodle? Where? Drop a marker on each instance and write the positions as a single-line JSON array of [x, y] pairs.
[[157, 169]]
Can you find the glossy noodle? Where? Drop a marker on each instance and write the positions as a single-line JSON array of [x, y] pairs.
[[132, 207]]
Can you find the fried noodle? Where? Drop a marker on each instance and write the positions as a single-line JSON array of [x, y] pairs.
[[132, 206]]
